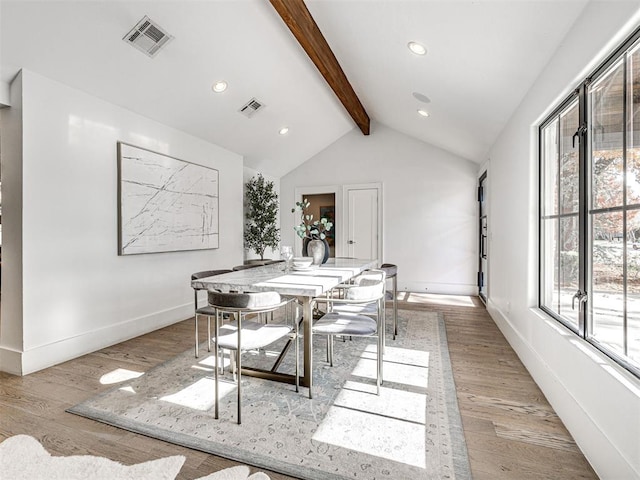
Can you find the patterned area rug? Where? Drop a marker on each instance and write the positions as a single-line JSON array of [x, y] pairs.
[[412, 430]]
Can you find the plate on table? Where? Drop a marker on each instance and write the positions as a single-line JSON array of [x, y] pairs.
[[304, 269]]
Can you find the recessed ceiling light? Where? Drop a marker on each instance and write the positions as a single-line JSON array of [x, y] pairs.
[[220, 86], [417, 48], [283, 130], [423, 113]]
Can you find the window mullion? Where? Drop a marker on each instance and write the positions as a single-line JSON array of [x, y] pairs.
[[625, 93], [559, 206], [583, 224]]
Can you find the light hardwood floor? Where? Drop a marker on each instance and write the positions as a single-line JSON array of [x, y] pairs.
[[510, 429]]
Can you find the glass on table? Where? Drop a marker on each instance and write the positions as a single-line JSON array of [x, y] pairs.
[[286, 253]]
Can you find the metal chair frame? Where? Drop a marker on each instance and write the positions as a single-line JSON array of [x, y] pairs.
[[205, 311], [394, 292], [378, 300], [366, 275], [240, 314]]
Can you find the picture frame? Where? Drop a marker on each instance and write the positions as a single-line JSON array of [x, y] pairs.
[[165, 204]]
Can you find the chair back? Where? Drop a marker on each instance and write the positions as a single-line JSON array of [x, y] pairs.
[[208, 273], [251, 301], [390, 269], [370, 277], [368, 290]]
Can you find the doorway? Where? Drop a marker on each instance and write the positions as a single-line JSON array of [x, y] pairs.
[[323, 205], [363, 221], [357, 211], [483, 247]]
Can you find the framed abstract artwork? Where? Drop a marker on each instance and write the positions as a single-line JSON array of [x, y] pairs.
[[165, 204]]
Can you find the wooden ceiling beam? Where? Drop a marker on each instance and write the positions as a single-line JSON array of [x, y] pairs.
[[297, 17]]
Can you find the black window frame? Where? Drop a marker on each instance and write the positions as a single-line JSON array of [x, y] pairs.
[[581, 93]]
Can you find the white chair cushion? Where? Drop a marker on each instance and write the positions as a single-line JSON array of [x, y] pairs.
[[335, 323], [369, 277], [364, 309], [362, 293], [254, 334]]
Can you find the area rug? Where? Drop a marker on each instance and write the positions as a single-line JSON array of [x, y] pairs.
[[412, 430], [22, 457]]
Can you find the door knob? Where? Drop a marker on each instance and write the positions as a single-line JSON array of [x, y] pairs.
[[351, 242]]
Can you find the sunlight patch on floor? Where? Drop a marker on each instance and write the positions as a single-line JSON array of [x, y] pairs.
[[209, 362], [408, 406], [418, 358], [400, 365], [390, 425], [437, 299], [374, 434], [199, 395], [119, 375], [266, 353]]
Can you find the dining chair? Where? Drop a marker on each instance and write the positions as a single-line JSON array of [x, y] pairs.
[[368, 277], [206, 310], [391, 271], [358, 312], [241, 334], [248, 266]]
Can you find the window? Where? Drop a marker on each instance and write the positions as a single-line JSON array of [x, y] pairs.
[[590, 209]]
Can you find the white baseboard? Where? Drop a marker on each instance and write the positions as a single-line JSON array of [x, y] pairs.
[[445, 288], [45, 356], [10, 361], [607, 460]]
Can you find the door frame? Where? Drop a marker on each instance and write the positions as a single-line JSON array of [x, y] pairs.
[[483, 183], [345, 214], [300, 192]]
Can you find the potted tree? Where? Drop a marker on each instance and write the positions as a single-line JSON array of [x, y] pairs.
[[261, 202]]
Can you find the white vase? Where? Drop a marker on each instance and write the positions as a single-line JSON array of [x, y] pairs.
[[315, 249]]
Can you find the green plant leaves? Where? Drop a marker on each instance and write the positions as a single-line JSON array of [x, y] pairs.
[[261, 203], [308, 227]]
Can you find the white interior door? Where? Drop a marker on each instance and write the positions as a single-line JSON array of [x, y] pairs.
[[363, 222]]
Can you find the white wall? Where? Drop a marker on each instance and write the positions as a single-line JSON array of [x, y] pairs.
[[598, 401], [429, 204], [248, 174], [5, 95], [11, 337], [77, 295]]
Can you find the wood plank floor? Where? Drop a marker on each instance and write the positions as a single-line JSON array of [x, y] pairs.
[[511, 430]]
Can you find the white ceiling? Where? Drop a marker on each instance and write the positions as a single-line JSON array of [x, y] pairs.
[[482, 58]]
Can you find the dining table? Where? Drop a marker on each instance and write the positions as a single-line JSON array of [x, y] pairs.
[[303, 283]]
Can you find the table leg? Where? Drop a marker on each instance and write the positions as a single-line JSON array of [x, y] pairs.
[[307, 321]]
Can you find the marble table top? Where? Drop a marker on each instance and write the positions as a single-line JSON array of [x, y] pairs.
[[307, 283]]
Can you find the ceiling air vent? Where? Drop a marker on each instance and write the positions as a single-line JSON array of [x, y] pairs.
[[250, 108], [148, 37]]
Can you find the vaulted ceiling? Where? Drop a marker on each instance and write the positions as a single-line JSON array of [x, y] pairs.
[[482, 57]]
